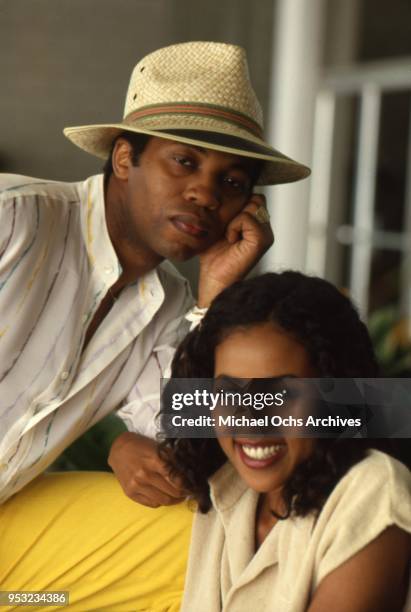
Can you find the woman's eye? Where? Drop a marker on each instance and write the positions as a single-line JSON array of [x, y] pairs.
[[291, 393]]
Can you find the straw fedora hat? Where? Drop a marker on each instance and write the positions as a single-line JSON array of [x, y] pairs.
[[197, 93]]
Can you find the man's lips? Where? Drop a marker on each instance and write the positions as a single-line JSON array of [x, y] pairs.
[[191, 225]]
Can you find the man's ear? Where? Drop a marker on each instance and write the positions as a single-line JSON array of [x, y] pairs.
[[121, 159]]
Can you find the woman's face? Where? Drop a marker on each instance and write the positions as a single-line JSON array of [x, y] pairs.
[[263, 351]]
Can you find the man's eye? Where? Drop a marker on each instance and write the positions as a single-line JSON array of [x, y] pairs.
[[236, 184], [183, 161]]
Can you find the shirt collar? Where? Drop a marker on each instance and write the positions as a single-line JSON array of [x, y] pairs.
[[101, 253], [226, 487]]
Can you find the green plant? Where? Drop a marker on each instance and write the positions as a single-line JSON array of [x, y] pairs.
[[91, 450], [391, 340]]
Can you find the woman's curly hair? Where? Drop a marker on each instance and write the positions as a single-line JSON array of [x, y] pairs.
[[325, 322]]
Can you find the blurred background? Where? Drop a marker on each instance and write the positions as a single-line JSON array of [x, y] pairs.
[[334, 79]]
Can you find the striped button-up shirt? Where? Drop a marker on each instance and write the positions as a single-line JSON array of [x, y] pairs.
[[56, 265]]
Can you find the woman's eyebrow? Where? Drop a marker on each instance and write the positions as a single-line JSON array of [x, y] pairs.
[[249, 379]]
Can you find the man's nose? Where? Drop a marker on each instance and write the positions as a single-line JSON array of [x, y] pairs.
[[203, 191]]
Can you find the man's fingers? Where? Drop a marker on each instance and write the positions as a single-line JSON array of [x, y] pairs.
[[254, 206], [153, 497], [156, 475], [166, 485], [142, 473], [161, 468], [246, 226], [234, 230], [256, 200]]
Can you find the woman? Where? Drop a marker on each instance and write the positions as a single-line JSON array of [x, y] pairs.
[[290, 524]]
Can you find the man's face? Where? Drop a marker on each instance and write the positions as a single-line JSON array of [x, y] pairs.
[[179, 199]]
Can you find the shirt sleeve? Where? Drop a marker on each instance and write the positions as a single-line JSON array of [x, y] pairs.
[[375, 494], [142, 405]]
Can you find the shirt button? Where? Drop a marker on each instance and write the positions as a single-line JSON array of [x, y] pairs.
[[84, 318], [108, 269], [3, 466], [64, 375]]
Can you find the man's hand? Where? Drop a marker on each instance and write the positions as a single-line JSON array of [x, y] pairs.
[[141, 473], [231, 258]]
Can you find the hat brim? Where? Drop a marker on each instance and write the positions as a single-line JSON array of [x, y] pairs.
[[277, 167]]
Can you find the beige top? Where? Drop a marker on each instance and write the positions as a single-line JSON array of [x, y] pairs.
[[225, 575]]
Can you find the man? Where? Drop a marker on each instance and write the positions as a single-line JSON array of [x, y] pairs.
[[91, 310]]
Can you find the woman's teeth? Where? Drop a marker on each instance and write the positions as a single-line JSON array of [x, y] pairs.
[[261, 452]]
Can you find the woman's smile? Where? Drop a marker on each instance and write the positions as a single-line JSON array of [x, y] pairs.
[[261, 454]]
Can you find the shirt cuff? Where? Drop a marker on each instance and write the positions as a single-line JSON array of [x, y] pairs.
[[195, 315]]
